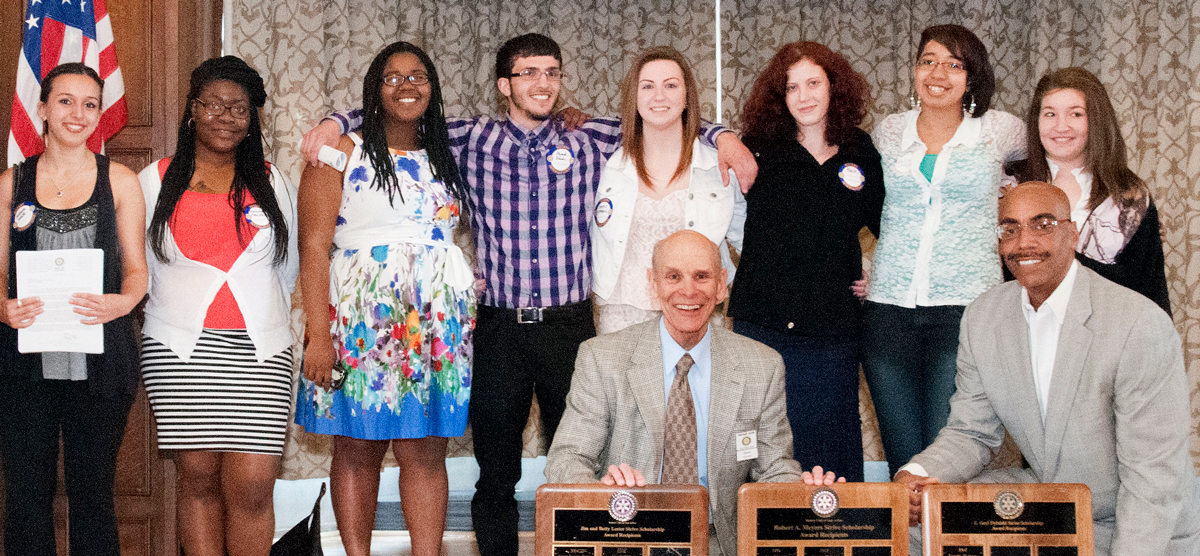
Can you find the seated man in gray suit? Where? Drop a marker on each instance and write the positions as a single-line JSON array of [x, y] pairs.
[[1086, 376], [730, 391]]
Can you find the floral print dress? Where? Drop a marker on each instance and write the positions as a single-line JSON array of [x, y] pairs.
[[401, 326]]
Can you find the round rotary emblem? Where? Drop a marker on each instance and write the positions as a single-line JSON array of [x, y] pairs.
[[825, 502], [1008, 504], [622, 506]]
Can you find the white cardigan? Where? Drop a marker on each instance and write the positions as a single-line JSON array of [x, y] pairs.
[[712, 208], [182, 290]]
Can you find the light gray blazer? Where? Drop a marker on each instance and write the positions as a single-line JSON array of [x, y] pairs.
[[1116, 419], [617, 405]]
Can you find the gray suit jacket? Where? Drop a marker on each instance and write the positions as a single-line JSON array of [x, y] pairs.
[[1116, 419], [617, 405]]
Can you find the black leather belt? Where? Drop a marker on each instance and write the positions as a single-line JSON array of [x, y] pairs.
[[534, 315]]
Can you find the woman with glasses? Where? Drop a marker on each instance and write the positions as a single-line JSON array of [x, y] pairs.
[[1075, 143], [661, 180], [943, 168], [819, 183], [388, 328], [217, 342], [68, 198]]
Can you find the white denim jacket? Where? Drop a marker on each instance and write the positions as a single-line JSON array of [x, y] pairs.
[[712, 208]]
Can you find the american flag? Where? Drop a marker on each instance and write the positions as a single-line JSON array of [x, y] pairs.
[[57, 32]]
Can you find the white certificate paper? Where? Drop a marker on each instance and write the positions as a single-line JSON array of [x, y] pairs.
[[55, 276]]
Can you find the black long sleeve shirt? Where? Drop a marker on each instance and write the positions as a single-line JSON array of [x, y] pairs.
[[801, 251]]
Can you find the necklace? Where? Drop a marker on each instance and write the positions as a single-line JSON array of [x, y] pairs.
[[54, 182]]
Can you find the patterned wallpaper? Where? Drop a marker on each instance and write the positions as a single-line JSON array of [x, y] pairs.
[[313, 53]]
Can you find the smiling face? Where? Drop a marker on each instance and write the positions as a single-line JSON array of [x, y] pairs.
[[72, 110], [661, 95], [807, 97], [938, 85], [1038, 262], [687, 282], [531, 99], [1063, 127], [405, 102], [221, 133]]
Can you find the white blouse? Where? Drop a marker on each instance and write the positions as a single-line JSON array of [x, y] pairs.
[[182, 290]]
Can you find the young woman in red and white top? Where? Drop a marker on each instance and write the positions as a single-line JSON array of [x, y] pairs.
[[216, 351]]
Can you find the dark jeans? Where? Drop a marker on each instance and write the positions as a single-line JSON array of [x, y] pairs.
[[512, 362], [92, 428], [821, 378], [910, 359]]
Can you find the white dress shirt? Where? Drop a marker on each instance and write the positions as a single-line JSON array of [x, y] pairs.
[[1045, 322], [1084, 178], [1044, 325], [699, 381]]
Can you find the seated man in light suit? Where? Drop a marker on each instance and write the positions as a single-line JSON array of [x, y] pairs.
[[614, 425], [1086, 376]]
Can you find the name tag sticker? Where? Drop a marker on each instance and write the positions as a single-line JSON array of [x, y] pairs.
[[23, 217], [257, 217], [604, 211], [852, 176], [561, 159], [747, 445]]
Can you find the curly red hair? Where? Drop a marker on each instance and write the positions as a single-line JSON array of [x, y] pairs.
[[765, 116]]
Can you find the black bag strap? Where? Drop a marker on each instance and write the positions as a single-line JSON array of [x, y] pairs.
[[314, 526], [303, 539]]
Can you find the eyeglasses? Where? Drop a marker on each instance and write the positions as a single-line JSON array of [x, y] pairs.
[[1038, 226], [214, 109], [951, 66], [553, 74], [395, 79]]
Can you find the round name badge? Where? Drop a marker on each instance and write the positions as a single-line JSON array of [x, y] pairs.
[[23, 217], [604, 211], [561, 160], [851, 176], [257, 217]]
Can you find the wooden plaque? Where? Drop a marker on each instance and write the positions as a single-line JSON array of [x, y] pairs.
[[597, 520], [845, 519], [1030, 519]]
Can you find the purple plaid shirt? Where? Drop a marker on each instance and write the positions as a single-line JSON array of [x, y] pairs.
[[531, 224]]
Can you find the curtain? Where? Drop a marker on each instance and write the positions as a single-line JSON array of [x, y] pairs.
[[312, 54]]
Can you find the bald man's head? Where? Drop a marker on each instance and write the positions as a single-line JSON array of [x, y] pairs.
[[686, 238], [1037, 237], [1042, 193], [687, 282]]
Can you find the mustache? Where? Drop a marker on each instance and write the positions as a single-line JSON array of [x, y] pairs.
[[1014, 258]]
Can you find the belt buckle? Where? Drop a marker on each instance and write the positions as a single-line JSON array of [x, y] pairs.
[[529, 315]]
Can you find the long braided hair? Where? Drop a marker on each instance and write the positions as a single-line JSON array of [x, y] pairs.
[[431, 128], [250, 172]]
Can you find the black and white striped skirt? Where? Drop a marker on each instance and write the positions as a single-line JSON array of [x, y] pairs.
[[223, 399]]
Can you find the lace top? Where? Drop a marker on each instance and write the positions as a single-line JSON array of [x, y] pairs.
[[653, 220], [937, 244]]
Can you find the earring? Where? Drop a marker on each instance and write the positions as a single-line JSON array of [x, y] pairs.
[[191, 123], [971, 109], [914, 100]]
